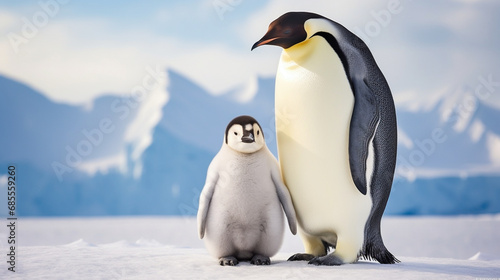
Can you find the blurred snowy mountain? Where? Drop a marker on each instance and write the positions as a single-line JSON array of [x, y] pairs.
[[126, 155], [457, 135]]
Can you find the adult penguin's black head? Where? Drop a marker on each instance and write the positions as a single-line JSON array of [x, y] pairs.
[[287, 30]]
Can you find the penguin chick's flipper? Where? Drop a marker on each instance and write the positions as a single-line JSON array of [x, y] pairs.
[[285, 200], [260, 260], [228, 261], [330, 259], [301, 257], [205, 199]]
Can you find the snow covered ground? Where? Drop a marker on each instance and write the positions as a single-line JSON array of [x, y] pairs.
[[466, 247]]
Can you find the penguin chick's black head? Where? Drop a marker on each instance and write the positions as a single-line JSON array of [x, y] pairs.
[[247, 137], [287, 30]]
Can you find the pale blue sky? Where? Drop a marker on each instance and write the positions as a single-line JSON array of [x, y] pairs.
[[87, 48]]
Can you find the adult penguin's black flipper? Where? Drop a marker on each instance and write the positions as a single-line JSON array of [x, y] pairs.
[[362, 130]]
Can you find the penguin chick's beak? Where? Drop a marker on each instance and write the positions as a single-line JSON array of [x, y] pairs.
[[247, 138]]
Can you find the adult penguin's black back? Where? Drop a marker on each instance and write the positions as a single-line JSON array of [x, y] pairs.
[[374, 115]]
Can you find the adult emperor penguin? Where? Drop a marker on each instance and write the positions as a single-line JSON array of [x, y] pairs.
[[240, 215], [337, 137]]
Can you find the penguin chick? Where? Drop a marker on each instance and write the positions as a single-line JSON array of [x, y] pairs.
[[240, 215]]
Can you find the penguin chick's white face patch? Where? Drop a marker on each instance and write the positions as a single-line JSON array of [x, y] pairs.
[[248, 140]]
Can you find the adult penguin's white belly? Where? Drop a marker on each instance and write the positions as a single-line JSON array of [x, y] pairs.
[[314, 104]]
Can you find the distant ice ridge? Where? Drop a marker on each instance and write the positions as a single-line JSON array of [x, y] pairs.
[[484, 257]]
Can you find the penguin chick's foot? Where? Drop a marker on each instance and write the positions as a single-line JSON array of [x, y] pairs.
[[260, 260], [330, 259], [301, 257], [228, 261]]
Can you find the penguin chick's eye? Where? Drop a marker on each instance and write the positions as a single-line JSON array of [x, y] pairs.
[[236, 133], [258, 132]]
